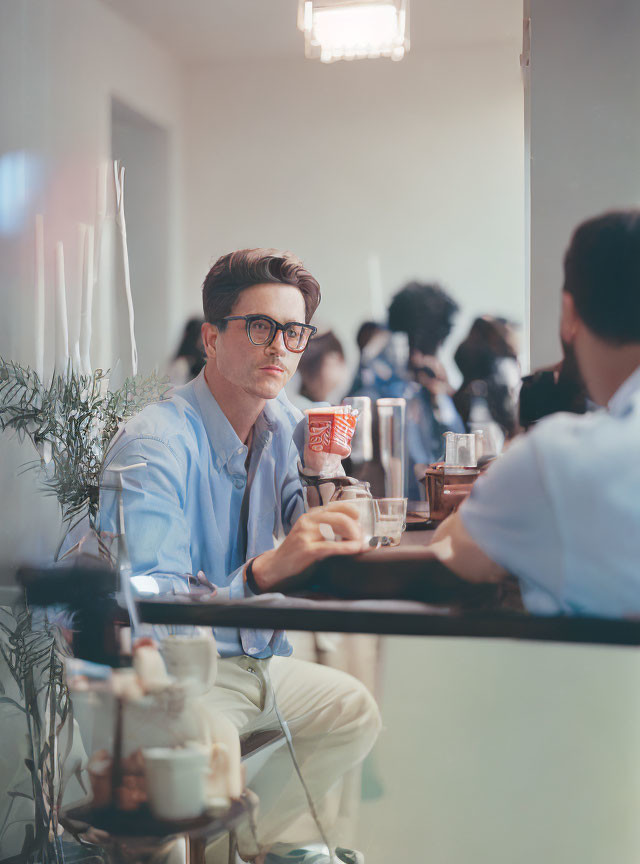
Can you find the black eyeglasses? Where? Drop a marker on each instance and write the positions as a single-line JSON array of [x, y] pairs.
[[262, 330]]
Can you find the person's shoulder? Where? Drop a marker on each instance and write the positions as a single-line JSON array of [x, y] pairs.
[[571, 449], [563, 432], [173, 421], [166, 417]]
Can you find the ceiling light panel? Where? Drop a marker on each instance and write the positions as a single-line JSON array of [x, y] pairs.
[[354, 29]]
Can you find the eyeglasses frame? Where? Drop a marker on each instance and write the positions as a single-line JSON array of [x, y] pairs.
[[248, 319]]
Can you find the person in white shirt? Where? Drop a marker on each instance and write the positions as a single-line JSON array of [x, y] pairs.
[[560, 509]]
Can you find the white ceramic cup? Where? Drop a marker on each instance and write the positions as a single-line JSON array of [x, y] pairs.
[[192, 657], [175, 779]]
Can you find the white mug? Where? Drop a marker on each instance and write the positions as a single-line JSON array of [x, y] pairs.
[[175, 779], [192, 657]]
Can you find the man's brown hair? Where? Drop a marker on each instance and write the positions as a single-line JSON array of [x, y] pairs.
[[237, 271]]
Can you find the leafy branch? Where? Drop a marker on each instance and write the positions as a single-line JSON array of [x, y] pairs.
[[33, 659], [70, 423]]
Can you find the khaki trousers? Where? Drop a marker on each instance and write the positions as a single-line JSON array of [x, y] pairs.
[[334, 722]]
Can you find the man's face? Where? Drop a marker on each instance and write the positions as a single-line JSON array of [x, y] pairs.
[[259, 370]]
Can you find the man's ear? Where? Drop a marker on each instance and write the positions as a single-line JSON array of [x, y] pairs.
[[209, 338], [569, 319]]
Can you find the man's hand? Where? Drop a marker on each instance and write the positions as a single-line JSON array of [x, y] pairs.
[[316, 461], [307, 542], [431, 374]]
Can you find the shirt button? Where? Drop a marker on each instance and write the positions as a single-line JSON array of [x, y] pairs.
[[239, 482]]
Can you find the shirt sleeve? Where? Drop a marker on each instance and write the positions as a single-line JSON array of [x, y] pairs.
[[511, 517], [291, 496], [153, 495]]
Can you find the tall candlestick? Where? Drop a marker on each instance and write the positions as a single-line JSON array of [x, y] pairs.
[[62, 327], [39, 299], [87, 303]]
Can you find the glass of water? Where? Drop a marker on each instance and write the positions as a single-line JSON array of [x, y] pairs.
[[367, 517], [391, 520]]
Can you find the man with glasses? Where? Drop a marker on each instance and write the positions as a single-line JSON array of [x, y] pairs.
[[219, 490]]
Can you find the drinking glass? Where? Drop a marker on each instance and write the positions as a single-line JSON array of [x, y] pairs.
[[391, 520], [367, 515]]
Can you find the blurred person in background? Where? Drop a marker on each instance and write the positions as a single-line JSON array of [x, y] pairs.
[[382, 367], [556, 388], [487, 398], [321, 371], [425, 312], [190, 357]]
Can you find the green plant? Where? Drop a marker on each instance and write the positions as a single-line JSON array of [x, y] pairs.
[[33, 685], [71, 422]]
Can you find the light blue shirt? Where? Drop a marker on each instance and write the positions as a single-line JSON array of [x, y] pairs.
[[561, 511], [184, 511]]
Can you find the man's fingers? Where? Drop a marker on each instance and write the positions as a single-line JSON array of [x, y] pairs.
[[326, 531], [324, 549], [340, 450], [318, 514], [343, 524]]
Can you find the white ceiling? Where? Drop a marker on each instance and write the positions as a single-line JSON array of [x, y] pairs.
[[205, 31]]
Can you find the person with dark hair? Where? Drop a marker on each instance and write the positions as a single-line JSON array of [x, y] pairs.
[[367, 331], [561, 508], [321, 370], [189, 358], [425, 312], [219, 480], [488, 361], [382, 367], [557, 388]]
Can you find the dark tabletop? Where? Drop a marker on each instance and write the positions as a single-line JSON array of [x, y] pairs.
[[390, 592]]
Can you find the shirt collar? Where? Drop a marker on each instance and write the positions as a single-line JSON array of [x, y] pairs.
[[221, 434], [223, 438], [621, 398]]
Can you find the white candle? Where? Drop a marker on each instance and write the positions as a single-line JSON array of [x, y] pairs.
[[126, 280], [87, 303], [74, 303], [39, 298], [101, 192], [103, 275], [62, 327]]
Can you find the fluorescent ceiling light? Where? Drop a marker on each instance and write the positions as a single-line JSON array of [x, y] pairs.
[[350, 29]]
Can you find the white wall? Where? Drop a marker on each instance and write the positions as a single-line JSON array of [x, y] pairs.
[[585, 136], [61, 62], [420, 162]]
